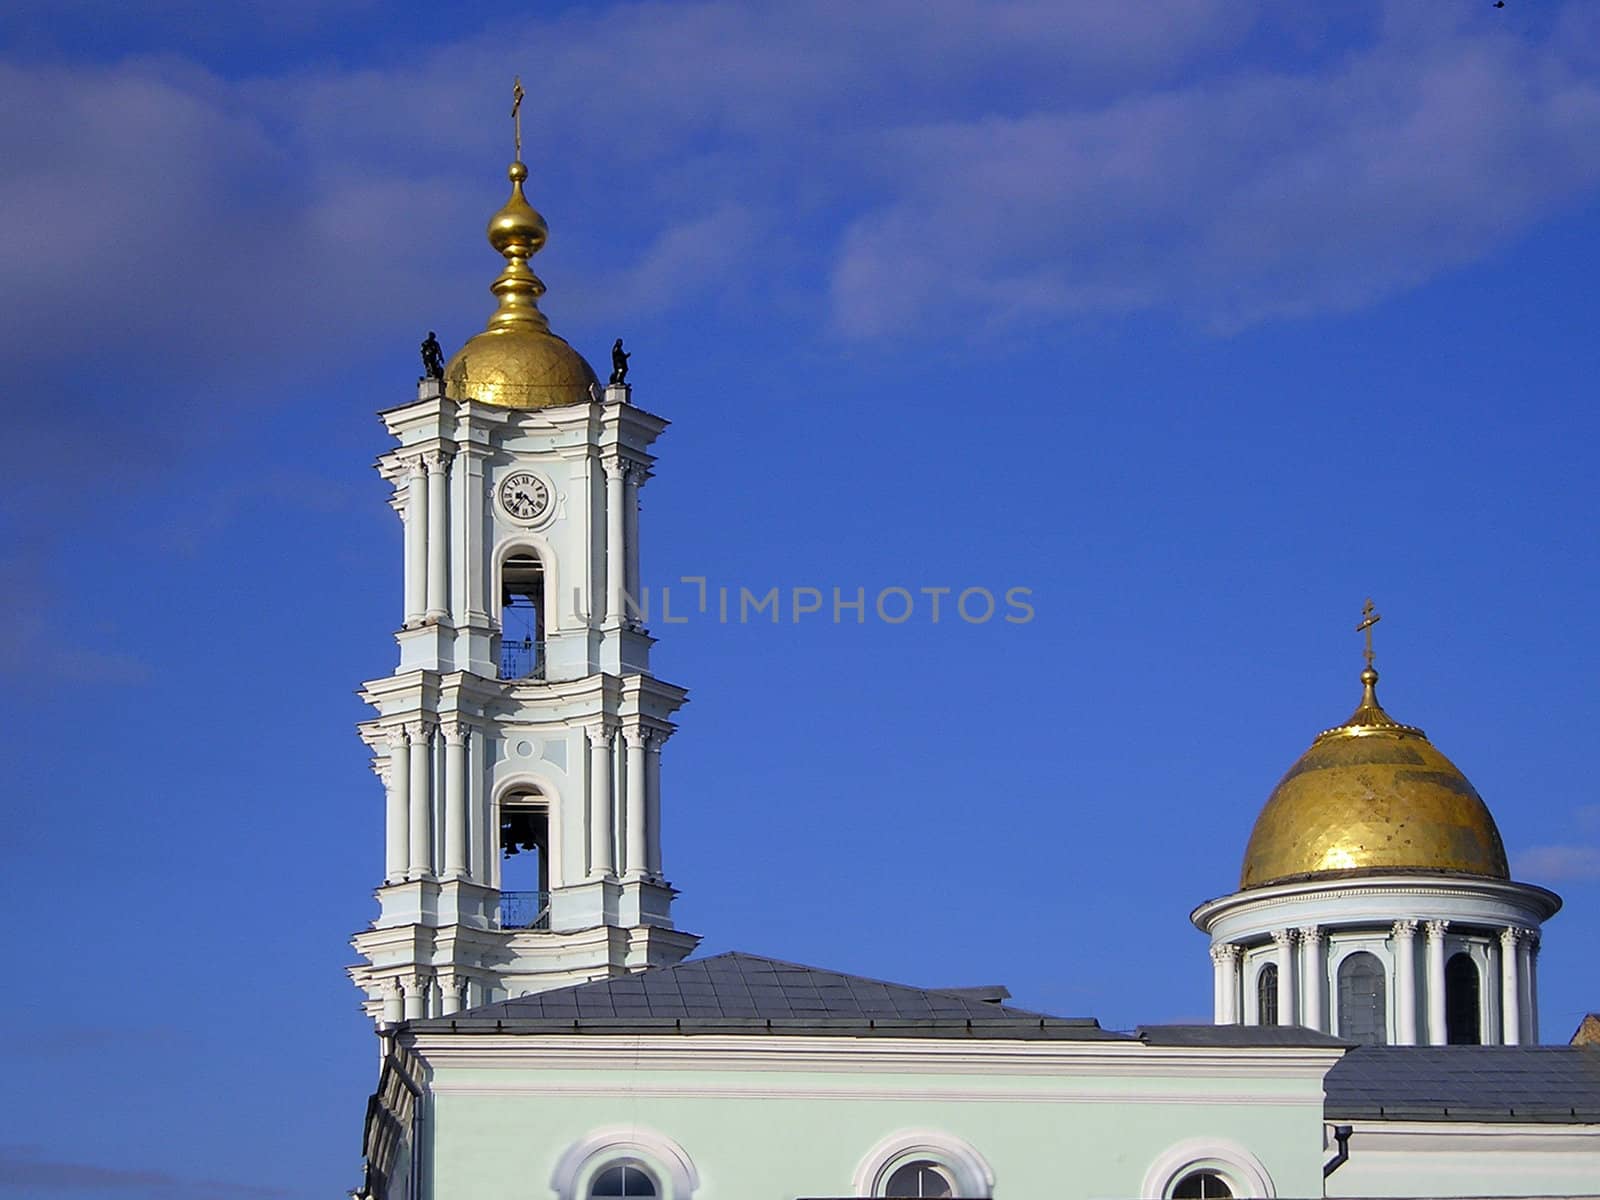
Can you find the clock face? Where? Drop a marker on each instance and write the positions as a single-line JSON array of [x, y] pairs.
[[525, 496]]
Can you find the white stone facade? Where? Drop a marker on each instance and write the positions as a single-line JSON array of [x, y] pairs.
[[571, 740]]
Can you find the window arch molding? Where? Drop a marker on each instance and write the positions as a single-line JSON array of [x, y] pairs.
[[674, 1172], [972, 1175], [523, 542], [1239, 1169]]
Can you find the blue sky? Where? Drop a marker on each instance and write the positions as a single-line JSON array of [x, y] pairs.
[[1200, 319]]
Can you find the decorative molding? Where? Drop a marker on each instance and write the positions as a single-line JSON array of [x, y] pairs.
[[1240, 1169], [658, 1154], [974, 1178]]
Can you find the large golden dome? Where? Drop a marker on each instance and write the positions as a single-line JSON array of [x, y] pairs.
[[517, 362], [1372, 795]]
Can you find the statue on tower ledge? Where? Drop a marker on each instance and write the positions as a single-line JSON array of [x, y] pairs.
[[619, 363], [432, 357]]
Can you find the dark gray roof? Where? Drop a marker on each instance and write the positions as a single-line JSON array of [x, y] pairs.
[[1466, 1083], [737, 992], [1235, 1035]]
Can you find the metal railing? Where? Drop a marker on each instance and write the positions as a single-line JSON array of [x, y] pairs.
[[521, 659], [524, 910]]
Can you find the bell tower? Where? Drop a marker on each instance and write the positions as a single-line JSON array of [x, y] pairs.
[[519, 738]]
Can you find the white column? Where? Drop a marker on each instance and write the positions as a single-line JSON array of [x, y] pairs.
[[1284, 938], [451, 986], [1528, 976], [416, 991], [421, 802], [416, 540], [393, 1006], [438, 537], [634, 819], [455, 800], [1437, 1032], [1510, 986], [1405, 970], [601, 860], [1313, 978], [1225, 983], [397, 839], [615, 564], [632, 482], [652, 804]]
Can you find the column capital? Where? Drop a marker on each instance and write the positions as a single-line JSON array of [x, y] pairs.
[[414, 464], [1310, 933], [636, 472], [417, 981], [1224, 952], [1283, 937], [1405, 928], [1436, 929], [437, 460], [614, 466], [419, 730], [601, 732], [455, 732], [1511, 935], [398, 736]]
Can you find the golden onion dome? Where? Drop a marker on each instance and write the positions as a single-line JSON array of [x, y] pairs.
[[1372, 795], [516, 362]]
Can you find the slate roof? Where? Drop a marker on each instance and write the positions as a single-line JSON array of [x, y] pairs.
[[736, 992], [1551, 1084]]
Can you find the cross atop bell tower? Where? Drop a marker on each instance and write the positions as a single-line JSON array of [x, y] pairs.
[[519, 737]]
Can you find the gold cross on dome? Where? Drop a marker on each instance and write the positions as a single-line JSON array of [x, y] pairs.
[[516, 112], [1369, 617]]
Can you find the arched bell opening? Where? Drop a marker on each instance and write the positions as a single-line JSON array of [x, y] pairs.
[[1463, 1007], [524, 862], [522, 616]]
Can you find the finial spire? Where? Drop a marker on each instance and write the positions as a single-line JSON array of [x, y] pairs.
[[1369, 617], [516, 113]]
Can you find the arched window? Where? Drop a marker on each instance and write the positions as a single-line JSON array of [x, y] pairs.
[[1202, 1185], [625, 1180], [525, 862], [922, 1178], [1462, 1014], [1267, 995], [1363, 1003], [522, 617]]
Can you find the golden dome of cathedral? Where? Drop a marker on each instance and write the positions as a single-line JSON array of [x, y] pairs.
[[517, 362], [1372, 795]]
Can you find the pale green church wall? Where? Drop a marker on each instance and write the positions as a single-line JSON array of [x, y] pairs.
[[755, 1137]]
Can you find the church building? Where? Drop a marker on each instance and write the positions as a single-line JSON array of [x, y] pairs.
[[545, 1032]]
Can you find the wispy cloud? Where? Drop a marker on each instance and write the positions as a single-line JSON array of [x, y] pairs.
[[1572, 863], [23, 1171]]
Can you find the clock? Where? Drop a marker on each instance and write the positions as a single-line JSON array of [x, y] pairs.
[[525, 496]]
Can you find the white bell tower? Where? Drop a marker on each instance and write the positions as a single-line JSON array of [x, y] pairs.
[[521, 732]]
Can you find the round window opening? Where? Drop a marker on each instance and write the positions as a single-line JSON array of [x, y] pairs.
[[917, 1180], [1202, 1185], [625, 1181]]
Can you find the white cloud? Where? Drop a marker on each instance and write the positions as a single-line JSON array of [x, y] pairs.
[[1558, 863]]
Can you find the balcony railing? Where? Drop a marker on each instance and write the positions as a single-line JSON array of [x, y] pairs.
[[524, 910], [521, 659]]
